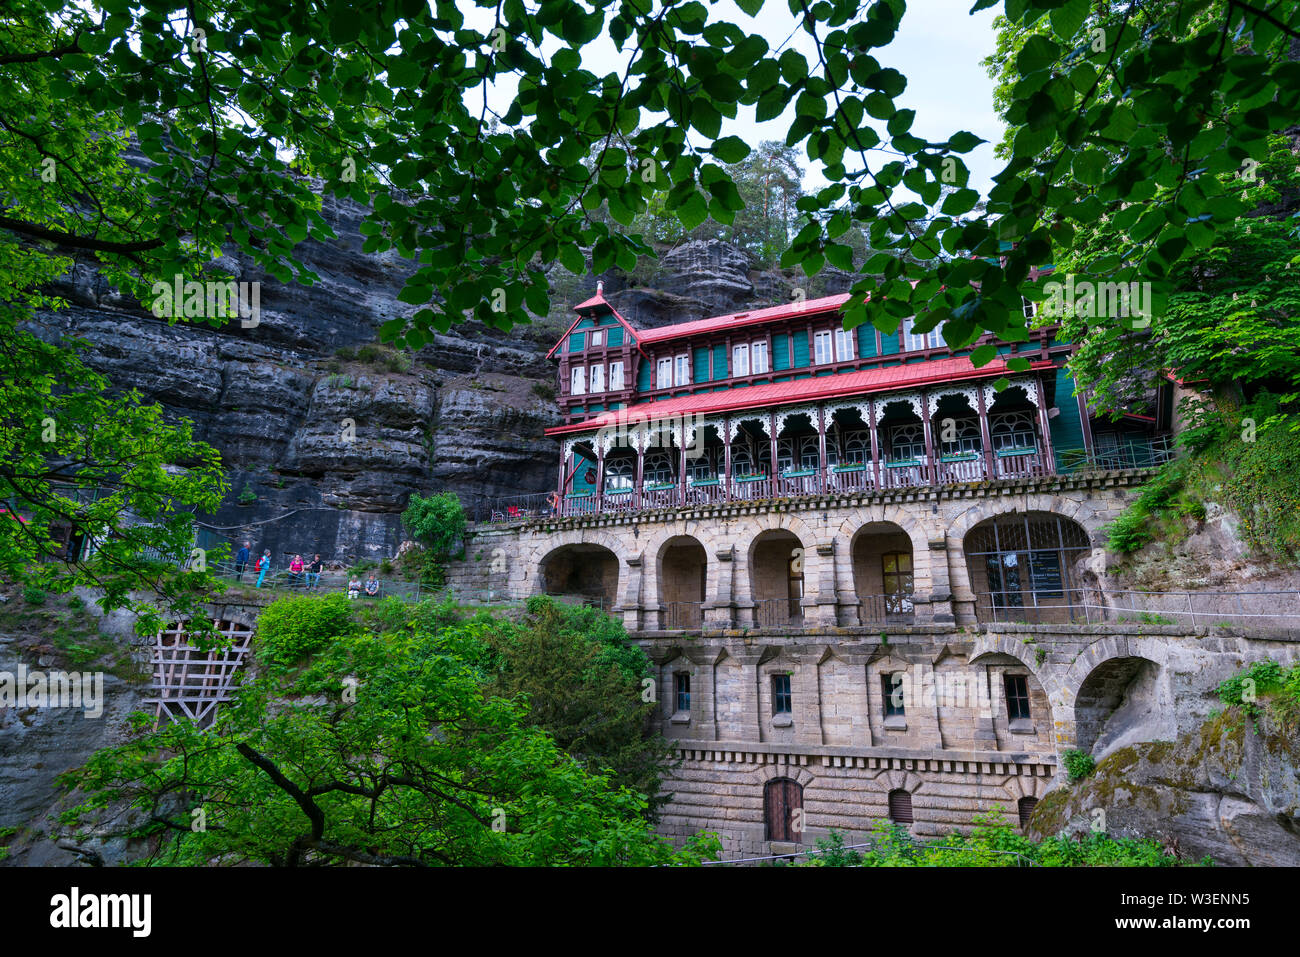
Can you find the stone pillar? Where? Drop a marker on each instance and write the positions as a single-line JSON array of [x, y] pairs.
[[986, 736], [720, 610], [632, 593], [940, 597], [822, 610]]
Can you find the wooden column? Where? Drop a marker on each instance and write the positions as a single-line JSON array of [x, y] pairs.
[[725, 478], [821, 448], [681, 459], [640, 470], [771, 471], [1049, 463], [1086, 423], [986, 436], [875, 442], [600, 475], [933, 466], [564, 461]]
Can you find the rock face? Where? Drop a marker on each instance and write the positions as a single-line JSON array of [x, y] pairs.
[[324, 444], [1229, 789]]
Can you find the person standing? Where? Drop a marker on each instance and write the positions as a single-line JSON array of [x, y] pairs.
[[295, 572], [263, 566], [313, 572], [241, 561]]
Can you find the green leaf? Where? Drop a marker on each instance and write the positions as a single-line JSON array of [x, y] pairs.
[[730, 149]]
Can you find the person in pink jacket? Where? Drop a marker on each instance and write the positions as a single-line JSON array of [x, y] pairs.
[[295, 572]]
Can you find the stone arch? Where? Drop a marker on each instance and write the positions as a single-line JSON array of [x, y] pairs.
[[1025, 785], [681, 567], [896, 780], [780, 564], [771, 772], [1024, 565], [1119, 696], [882, 562], [582, 570]]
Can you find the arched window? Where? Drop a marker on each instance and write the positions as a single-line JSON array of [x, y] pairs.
[[619, 473], [1012, 430], [964, 436], [782, 798], [900, 806], [906, 442], [658, 469], [1026, 807], [1023, 561]]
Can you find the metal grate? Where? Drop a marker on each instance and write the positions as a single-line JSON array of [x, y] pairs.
[[900, 806]]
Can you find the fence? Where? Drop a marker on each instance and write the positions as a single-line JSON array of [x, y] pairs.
[[281, 579], [1014, 858], [1269, 609], [1120, 452]]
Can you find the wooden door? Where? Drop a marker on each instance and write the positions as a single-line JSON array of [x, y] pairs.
[[781, 798]]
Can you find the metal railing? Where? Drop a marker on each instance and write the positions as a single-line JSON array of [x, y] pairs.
[[1270, 609], [914, 848], [1130, 454], [281, 579]]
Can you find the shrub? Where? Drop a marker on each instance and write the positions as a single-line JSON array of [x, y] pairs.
[[1078, 764], [247, 496], [1261, 678], [437, 522], [75, 603], [291, 628], [33, 595], [544, 390]]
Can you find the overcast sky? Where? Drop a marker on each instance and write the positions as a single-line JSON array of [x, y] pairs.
[[938, 49]]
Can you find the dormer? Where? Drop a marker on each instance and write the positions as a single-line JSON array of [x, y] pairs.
[[597, 360]]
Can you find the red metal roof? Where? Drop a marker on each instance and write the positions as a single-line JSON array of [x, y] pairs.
[[734, 320], [863, 382]]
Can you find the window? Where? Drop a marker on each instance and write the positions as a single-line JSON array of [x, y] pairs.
[[1012, 430], [1025, 806], [579, 384], [843, 344], [682, 686], [615, 376], [914, 342], [891, 690], [597, 340], [781, 694], [598, 378], [782, 800], [900, 806], [1029, 307], [1026, 560], [740, 360], [1017, 697], [896, 572], [958, 435], [664, 374], [822, 348], [683, 370], [760, 357], [907, 442]]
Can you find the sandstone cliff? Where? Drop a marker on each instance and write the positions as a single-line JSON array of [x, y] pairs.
[[1229, 789]]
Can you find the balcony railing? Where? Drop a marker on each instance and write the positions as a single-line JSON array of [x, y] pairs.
[[845, 477]]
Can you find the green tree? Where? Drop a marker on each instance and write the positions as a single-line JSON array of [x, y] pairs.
[[584, 682], [383, 748]]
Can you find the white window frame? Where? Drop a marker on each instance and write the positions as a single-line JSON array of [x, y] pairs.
[[822, 346], [596, 339], [598, 377], [740, 360], [759, 351], [682, 367], [578, 380], [616, 377], [844, 344], [915, 342], [662, 366]]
